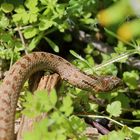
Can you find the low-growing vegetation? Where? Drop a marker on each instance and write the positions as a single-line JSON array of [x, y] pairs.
[[98, 37]]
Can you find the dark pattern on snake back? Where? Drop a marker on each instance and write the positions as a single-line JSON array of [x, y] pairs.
[[29, 64]]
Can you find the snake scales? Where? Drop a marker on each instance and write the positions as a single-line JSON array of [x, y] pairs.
[[29, 64]]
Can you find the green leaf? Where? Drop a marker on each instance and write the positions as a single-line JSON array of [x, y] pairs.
[[39, 132], [4, 21], [80, 58], [136, 113], [67, 107], [88, 21], [44, 2], [21, 15], [52, 44], [124, 99], [52, 97], [33, 14], [7, 7], [131, 79], [33, 44], [45, 24], [114, 135], [6, 38], [31, 3], [114, 109], [107, 97], [137, 128], [33, 17], [136, 136], [41, 101], [120, 48], [44, 101], [30, 32], [77, 124]]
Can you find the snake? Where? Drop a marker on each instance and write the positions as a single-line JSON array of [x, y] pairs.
[[27, 65]]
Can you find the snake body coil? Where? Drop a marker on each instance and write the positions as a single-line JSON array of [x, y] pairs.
[[29, 64]]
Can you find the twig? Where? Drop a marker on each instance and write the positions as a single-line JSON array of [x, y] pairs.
[[115, 59], [98, 126], [22, 39], [106, 117], [22, 28]]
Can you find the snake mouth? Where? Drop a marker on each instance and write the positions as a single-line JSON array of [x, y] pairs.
[[118, 83], [110, 83]]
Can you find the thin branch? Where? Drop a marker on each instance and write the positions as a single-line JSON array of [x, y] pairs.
[[118, 123], [22, 39], [115, 59], [22, 28], [98, 126]]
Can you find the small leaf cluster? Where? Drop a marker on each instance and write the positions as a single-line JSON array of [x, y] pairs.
[[34, 20], [25, 24], [116, 103], [60, 123]]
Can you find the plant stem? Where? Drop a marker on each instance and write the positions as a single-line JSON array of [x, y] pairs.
[[118, 58], [22, 39], [106, 117]]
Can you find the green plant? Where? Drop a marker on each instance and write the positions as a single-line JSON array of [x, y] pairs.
[[27, 26], [60, 124]]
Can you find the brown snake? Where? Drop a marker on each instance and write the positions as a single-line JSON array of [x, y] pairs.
[[29, 64]]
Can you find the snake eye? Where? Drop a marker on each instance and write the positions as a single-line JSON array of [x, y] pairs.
[[116, 82], [110, 82]]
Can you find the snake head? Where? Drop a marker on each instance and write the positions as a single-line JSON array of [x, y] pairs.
[[108, 83]]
